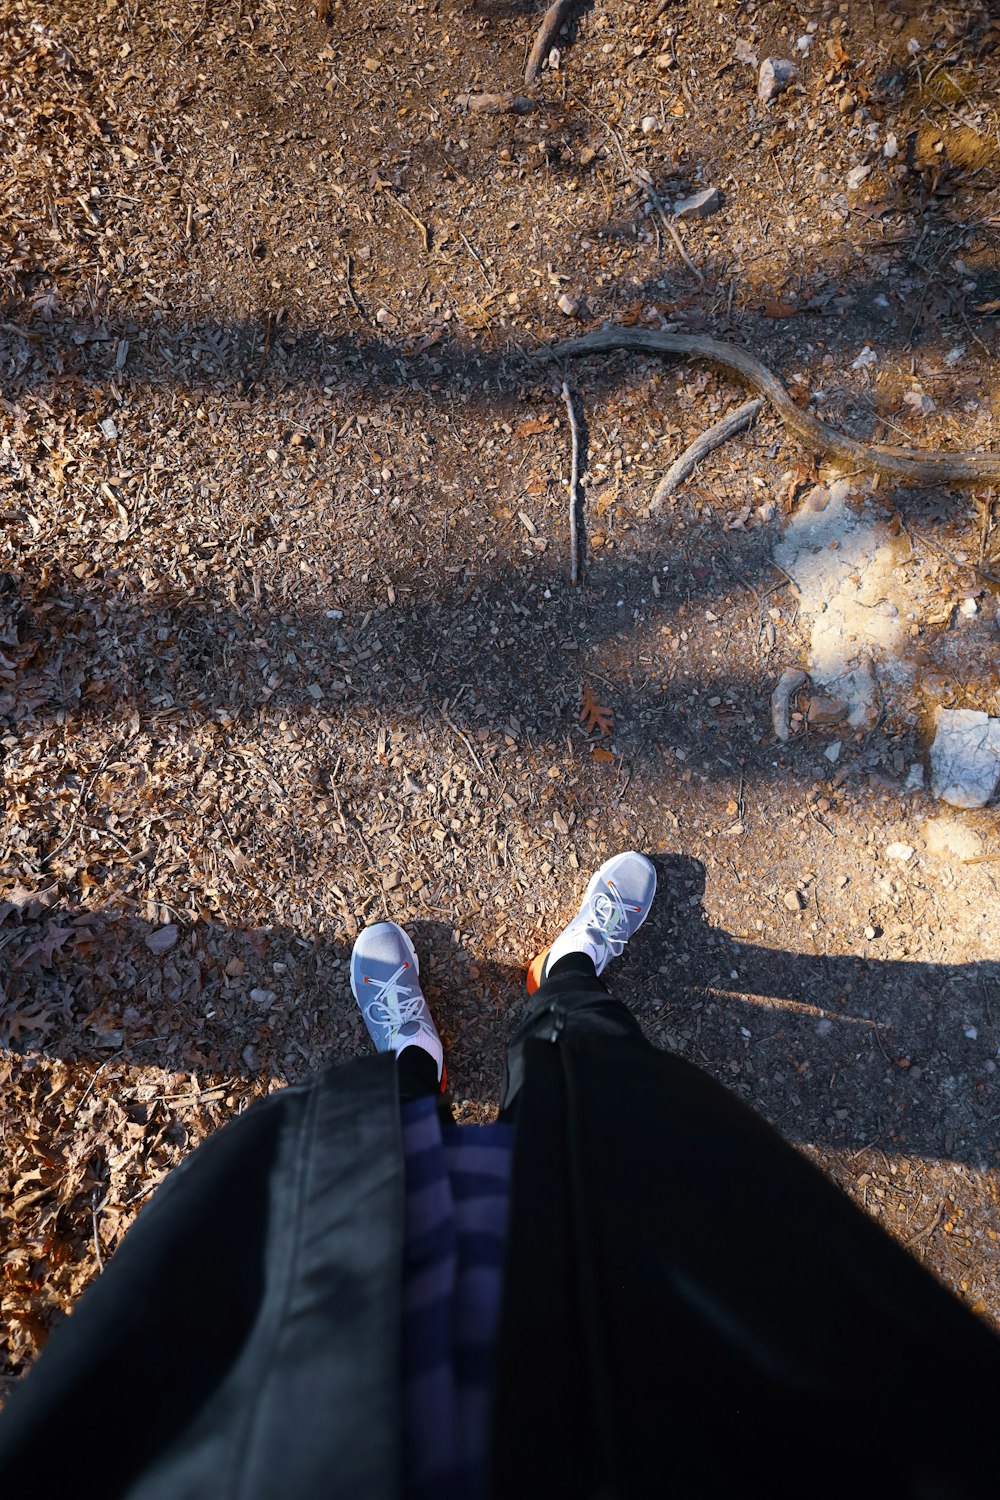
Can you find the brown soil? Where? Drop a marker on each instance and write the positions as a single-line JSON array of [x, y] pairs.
[[287, 642]]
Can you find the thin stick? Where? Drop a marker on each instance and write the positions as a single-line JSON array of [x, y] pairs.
[[425, 233], [85, 793], [545, 40], [914, 464], [97, 1244], [732, 423], [644, 181], [574, 488]]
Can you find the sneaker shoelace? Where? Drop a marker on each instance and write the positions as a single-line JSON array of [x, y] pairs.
[[610, 916], [394, 1004]]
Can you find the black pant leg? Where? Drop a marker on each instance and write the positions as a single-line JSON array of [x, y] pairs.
[[244, 1338], [697, 1297], [571, 986]]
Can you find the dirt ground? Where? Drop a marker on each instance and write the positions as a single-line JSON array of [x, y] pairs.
[[287, 637]]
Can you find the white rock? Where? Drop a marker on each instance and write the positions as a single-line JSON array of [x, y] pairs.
[[948, 838], [699, 205], [832, 752], [920, 402], [865, 359], [384, 316], [891, 147], [163, 939], [914, 778], [648, 124], [781, 699], [954, 355], [968, 608], [109, 429], [776, 73], [902, 852], [965, 757], [803, 44], [568, 305], [971, 1033], [856, 177]]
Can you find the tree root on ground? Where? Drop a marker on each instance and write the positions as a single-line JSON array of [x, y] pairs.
[[912, 464]]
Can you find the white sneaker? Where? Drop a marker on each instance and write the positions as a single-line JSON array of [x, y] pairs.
[[616, 903], [385, 978]]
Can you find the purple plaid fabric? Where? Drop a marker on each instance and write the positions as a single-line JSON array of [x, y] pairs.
[[457, 1195]]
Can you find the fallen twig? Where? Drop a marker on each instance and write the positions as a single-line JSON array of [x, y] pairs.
[[574, 489], [727, 427], [644, 181], [425, 233], [545, 40], [913, 464], [495, 104]]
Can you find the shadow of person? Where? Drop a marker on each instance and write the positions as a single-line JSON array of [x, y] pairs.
[[838, 1050]]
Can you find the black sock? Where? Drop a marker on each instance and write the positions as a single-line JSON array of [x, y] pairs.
[[418, 1074]]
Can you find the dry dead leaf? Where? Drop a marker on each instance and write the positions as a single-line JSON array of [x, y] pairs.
[[532, 426], [601, 754], [593, 716], [775, 309]]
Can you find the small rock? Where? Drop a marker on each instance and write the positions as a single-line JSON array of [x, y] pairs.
[[856, 177], [587, 155], [794, 900], [832, 752], [263, 999], [965, 757], [968, 608], [914, 778], [920, 402], [781, 699], [495, 104], [826, 711], [916, 1073], [648, 124], [898, 851], [871, 932], [163, 939], [699, 205], [568, 305], [824, 1027], [971, 1033], [865, 359], [776, 73], [891, 147], [948, 838], [384, 316]]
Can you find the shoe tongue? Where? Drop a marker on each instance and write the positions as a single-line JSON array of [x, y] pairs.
[[409, 1028]]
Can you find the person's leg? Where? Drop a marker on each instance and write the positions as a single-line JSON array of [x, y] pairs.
[[257, 1295], [566, 980], [385, 979], [418, 1075]]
